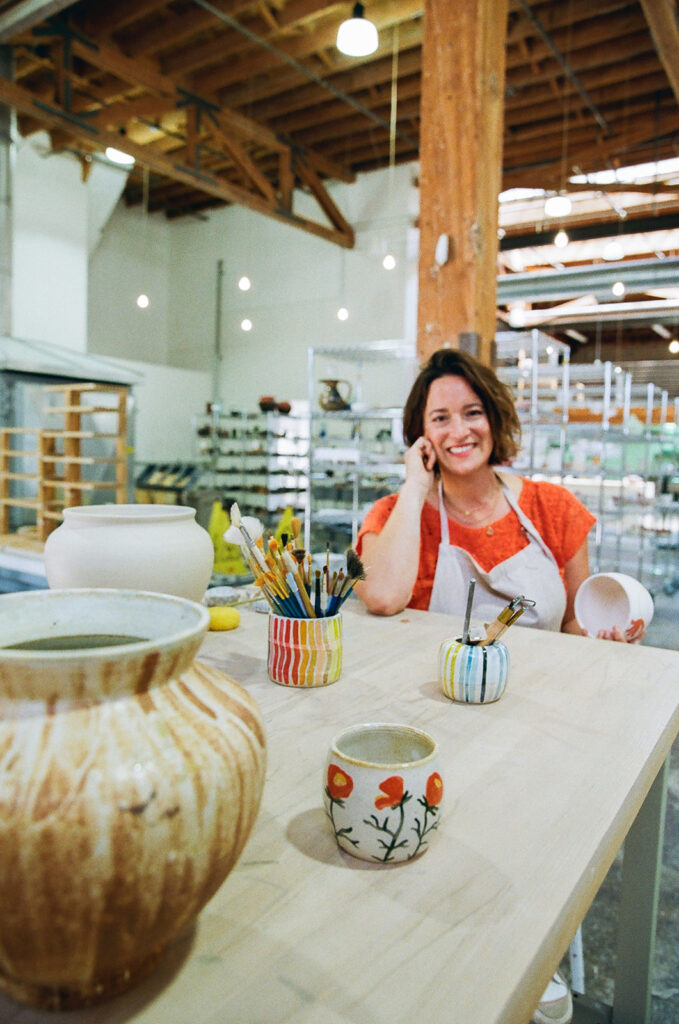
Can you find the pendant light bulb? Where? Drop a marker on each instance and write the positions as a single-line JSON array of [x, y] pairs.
[[117, 156], [561, 239], [557, 206], [357, 37]]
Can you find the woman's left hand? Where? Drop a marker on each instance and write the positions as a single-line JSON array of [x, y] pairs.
[[634, 634]]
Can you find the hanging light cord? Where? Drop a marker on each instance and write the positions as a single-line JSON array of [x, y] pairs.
[[394, 97], [300, 67]]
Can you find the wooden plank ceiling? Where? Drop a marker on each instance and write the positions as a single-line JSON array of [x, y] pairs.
[[239, 100], [243, 101]]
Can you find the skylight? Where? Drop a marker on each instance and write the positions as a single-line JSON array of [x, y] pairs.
[[636, 172]]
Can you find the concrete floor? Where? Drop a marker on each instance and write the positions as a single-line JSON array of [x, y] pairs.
[[599, 929]]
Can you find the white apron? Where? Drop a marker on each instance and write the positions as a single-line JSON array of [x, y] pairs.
[[532, 572]]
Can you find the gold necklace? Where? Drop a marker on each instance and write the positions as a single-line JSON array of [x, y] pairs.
[[489, 505]]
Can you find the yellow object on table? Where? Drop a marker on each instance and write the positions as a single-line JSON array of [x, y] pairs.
[[224, 617]]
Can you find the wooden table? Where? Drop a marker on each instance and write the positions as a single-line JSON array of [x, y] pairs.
[[541, 789]]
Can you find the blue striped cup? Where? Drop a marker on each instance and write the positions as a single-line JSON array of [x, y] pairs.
[[472, 674]]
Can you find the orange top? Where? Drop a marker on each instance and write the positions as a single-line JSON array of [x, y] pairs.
[[560, 518]]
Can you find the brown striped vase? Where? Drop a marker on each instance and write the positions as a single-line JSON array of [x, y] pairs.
[[130, 779]]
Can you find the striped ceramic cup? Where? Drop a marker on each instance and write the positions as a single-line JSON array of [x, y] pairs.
[[473, 674], [305, 652]]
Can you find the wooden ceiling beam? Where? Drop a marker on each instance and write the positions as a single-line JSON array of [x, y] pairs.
[[581, 35], [271, 103], [550, 135], [350, 123], [614, 50], [521, 105], [308, 177], [546, 137], [547, 225], [384, 13], [556, 16], [176, 28], [21, 100], [22, 15], [230, 41], [663, 20], [113, 17], [324, 115], [290, 86]]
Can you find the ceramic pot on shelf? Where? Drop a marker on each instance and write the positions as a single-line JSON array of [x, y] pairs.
[[139, 547], [131, 780], [332, 399]]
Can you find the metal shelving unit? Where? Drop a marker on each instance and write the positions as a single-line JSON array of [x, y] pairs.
[[611, 441], [355, 455], [258, 459]]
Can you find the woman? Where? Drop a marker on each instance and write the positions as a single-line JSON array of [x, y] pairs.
[[457, 518]]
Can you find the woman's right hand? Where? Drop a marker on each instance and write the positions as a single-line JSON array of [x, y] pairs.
[[420, 461]]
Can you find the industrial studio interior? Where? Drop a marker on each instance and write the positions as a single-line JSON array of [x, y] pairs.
[[231, 233]]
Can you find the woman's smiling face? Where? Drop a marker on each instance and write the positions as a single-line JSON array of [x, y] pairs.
[[456, 424]]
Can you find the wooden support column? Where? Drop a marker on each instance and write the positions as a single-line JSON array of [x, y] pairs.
[[462, 112]]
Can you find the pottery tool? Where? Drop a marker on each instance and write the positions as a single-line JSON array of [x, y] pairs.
[[509, 614], [468, 611], [517, 615]]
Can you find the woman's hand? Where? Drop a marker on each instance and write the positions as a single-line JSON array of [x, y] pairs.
[[420, 461], [634, 633]]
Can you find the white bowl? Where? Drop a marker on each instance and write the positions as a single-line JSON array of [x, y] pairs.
[[610, 599]]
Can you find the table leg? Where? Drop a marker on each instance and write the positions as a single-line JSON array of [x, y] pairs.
[[641, 864]]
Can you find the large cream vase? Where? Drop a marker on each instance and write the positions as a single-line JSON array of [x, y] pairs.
[[130, 779], [141, 547]]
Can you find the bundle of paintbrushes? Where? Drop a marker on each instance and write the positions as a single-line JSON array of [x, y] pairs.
[[284, 572]]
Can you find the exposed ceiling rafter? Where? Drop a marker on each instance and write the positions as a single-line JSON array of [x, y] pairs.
[[230, 174], [27, 13], [663, 21]]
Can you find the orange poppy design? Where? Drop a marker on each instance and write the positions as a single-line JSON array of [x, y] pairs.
[[433, 793], [340, 784], [393, 790]]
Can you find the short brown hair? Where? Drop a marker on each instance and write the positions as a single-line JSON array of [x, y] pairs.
[[496, 398]]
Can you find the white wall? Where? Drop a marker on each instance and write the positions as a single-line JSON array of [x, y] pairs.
[[132, 257], [77, 273], [164, 404], [49, 252], [298, 283], [75, 276]]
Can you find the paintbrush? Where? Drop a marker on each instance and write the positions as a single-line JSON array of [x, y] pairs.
[[355, 572], [317, 597], [237, 521], [294, 570], [295, 530], [332, 605]]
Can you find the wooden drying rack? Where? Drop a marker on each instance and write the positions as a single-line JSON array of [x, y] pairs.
[[63, 454]]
